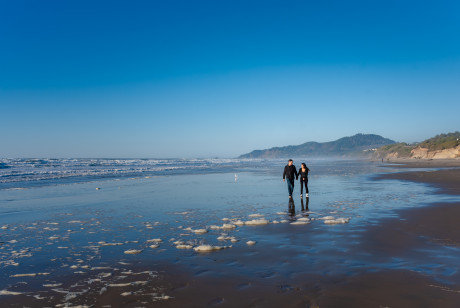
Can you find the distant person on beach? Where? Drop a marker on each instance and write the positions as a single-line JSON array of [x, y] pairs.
[[303, 175], [289, 173]]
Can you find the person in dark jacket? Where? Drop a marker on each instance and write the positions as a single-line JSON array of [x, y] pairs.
[[303, 175], [290, 172]]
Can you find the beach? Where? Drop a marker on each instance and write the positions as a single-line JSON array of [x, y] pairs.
[[371, 235]]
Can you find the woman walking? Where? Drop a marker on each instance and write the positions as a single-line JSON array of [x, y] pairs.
[[303, 175]]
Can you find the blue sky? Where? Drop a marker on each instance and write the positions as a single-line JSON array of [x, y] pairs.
[[222, 78]]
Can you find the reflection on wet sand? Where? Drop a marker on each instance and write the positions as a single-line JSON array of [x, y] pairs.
[[291, 208], [302, 207]]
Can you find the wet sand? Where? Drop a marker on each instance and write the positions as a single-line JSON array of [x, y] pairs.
[[413, 231], [436, 224], [446, 180], [269, 275]]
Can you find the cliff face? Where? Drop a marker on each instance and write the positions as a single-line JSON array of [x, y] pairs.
[[424, 153], [443, 146]]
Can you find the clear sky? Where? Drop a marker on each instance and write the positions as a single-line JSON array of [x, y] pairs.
[[222, 78]]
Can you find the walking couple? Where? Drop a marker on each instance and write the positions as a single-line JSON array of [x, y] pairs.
[[290, 172]]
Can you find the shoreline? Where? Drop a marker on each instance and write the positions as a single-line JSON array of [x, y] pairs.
[[422, 163]]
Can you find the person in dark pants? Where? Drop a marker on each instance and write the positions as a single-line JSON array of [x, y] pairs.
[[290, 172], [303, 175]]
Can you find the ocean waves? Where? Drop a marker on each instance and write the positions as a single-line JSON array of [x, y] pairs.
[[21, 172]]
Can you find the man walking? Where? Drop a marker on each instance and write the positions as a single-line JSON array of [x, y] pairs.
[[289, 173]]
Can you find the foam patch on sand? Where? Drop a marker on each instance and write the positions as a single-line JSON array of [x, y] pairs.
[[224, 237], [30, 275], [132, 251], [209, 248], [299, 222], [336, 221], [134, 283], [256, 222], [228, 226], [52, 285], [6, 292], [184, 246], [155, 240], [109, 244]]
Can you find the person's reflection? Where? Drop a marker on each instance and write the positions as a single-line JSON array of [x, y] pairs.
[[307, 200], [291, 207]]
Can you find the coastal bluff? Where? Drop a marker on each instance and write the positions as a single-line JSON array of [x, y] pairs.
[[425, 153], [443, 146]]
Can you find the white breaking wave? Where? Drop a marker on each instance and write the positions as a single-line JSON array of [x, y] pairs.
[[18, 170]]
